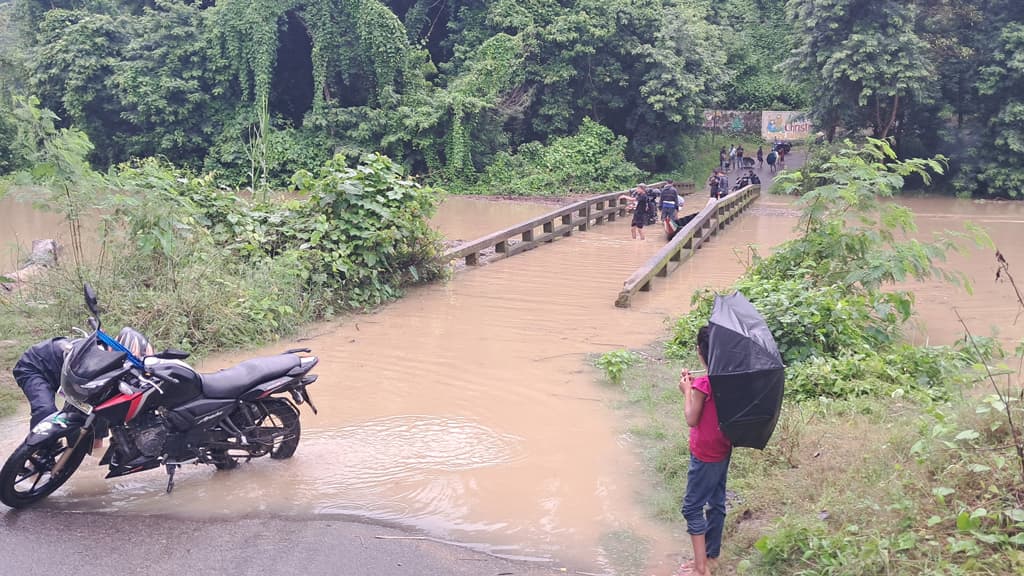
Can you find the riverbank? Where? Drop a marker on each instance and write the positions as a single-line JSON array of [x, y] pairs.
[[855, 486], [890, 455]]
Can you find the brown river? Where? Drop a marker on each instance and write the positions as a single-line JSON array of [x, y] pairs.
[[469, 411]]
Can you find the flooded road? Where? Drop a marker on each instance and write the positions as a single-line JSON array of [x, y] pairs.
[[470, 410]]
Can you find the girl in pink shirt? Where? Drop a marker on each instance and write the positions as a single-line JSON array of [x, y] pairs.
[[709, 465]]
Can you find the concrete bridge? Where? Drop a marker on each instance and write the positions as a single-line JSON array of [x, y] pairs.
[[581, 215]]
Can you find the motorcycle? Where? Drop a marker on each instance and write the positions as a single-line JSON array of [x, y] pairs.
[[160, 412]]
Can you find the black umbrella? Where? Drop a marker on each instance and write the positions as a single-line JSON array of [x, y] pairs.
[[746, 372]]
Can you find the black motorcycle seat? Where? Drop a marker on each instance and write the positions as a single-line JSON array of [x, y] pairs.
[[233, 382]]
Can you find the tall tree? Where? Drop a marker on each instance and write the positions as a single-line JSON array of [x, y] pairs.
[[861, 60]]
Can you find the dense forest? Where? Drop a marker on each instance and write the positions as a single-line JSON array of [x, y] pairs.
[[471, 92]]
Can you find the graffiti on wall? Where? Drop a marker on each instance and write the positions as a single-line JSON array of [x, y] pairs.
[[785, 125], [732, 121], [770, 124]]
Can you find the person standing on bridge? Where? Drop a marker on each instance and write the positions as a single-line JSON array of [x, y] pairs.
[[713, 183], [642, 206], [671, 201]]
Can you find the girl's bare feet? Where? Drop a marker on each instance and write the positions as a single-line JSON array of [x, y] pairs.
[[690, 569]]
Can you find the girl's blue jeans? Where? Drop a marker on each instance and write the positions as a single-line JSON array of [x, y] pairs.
[[705, 487]]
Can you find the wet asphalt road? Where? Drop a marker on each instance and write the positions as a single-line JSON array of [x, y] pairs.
[[49, 542]]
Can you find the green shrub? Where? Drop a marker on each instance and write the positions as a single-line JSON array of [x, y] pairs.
[[592, 160], [615, 363], [191, 263], [365, 230]]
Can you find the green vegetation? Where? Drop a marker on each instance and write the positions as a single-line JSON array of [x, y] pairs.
[[888, 458], [938, 76], [191, 263], [469, 94], [615, 363], [592, 161]]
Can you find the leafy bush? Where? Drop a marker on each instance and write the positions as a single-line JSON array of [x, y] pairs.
[[615, 363], [191, 263], [287, 151], [806, 320], [9, 161], [592, 160], [365, 230], [944, 510]]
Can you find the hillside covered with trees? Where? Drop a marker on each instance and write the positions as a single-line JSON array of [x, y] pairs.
[[471, 91]]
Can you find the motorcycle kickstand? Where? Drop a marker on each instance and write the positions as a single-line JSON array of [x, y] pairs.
[[170, 476]]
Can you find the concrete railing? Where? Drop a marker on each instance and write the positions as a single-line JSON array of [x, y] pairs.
[[707, 223], [563, 221]]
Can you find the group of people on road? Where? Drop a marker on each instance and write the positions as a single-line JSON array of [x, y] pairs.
[[734, 158], [718, 183]]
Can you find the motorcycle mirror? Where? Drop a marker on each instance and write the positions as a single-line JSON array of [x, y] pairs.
[[91, 301]]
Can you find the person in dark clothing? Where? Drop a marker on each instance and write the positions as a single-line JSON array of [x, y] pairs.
[[653, 200], [671, 201], [641, 209], [37, 372], [713, 183]]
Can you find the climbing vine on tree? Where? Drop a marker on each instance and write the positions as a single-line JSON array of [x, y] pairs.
[[449, 88]]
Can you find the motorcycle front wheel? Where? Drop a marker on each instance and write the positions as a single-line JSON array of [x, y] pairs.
[[28, 476]]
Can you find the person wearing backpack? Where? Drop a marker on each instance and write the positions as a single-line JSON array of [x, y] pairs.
[[713, 183], [723, 185], [653, 194], [671, 201]]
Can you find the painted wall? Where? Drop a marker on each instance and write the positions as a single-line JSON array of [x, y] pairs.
[[770, 124]]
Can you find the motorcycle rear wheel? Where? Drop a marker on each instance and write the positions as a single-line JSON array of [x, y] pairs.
[[276, 430], [26, 477], [280, 427]]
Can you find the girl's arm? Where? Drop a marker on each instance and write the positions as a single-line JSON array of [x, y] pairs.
[[693, 399]]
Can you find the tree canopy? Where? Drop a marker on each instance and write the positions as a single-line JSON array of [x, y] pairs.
[[448, 87]]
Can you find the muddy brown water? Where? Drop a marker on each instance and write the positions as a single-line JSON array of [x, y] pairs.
[[469, 411], [20, 224]]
